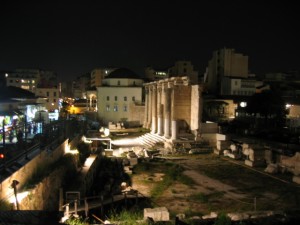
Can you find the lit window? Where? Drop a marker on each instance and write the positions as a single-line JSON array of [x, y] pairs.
[[115, 108], [107, 108]]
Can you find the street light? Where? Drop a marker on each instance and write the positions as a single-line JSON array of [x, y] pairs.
[[14, 186]]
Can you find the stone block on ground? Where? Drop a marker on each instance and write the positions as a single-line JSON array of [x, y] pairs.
[[272, 168], [296, 179], [221, 145], [108, 152], [256, 163], [218, 152], [157, 214], [133, 161]]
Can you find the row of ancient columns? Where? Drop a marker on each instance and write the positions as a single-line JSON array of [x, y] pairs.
[[159, 109]]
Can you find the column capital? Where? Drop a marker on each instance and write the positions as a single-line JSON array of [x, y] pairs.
[[153, 88], [170, 84], [159, 88]]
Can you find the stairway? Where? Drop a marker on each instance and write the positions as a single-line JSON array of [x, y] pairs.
[[149, 140]]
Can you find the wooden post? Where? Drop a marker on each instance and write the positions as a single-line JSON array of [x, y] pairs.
[[102, 213], [75, 208], [67, 211], [125, 197], [112, 199], [136, 197], [61, 200], [86, 207]]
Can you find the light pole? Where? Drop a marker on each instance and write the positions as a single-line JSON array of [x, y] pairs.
[[14, 186]]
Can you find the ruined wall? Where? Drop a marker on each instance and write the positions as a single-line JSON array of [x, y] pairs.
[[182, 104], [45, 194], [44, 158], [136, 115]]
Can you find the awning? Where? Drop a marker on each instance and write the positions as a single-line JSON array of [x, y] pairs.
[[11, 112]]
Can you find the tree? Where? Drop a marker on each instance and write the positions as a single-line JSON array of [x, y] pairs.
[[269, 105]]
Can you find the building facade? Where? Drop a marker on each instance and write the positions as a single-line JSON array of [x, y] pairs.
[[80, 86], [173, 106], [184, 69], [224, 63], [30, 79], [120, 92], [51, 97], [98, 74]]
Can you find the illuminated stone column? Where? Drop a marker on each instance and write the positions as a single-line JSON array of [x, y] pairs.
[[167, 108], [173, 113], [145, 125], [154, 109], [149, 107], [159, 111]]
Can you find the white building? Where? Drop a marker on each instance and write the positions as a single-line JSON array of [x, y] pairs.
[[120, 97], [238, 86]]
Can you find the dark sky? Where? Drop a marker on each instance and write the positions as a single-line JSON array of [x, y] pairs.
[[74, 38]]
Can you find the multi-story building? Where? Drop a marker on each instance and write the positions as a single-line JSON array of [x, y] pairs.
[[153, 74], [184, 69], [120, 97], [30, 79], [180, 69], [225, 63], [98, 74], [51, 97], [81, 85], [237, 86]]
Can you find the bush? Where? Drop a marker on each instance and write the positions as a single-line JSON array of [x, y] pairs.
[[84, 152], [222, 219]]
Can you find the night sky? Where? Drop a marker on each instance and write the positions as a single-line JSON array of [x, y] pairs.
[[72, 39]]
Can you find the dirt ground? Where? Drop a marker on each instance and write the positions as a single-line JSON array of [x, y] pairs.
[[207, 194]]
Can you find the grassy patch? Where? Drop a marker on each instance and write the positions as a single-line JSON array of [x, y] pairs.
[[4, 205], [126, 217]]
